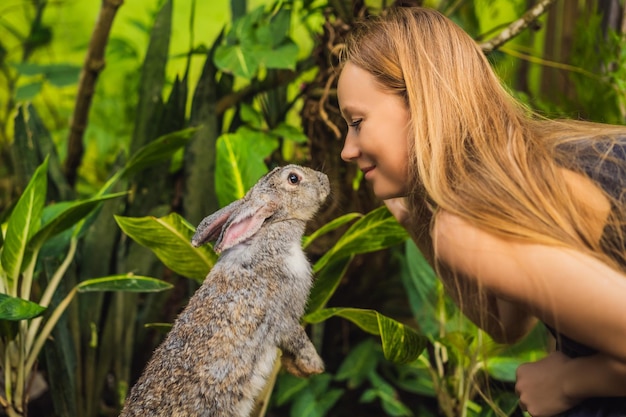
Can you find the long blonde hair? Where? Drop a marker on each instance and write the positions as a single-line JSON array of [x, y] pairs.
[[477, 152]]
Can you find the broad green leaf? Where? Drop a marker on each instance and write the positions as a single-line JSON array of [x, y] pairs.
[[13, 308], [28, 91], [59, 75], [401, 344], [158, 150], [375, 231], [251, 116], [61, 216], [423, 289], [326, 282], [240, 162], [123, 283], [274, 31], [283, 57], [316, 398], [329, 227], [359, 363], [289, 132], [237, 60], [24, 222], [169, 237]]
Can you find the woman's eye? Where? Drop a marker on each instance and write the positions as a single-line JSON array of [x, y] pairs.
[[355, 123]]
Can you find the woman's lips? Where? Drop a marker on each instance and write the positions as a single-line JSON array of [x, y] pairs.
[[366, 171]]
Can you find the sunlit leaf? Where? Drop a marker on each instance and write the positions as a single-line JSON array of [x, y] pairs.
[[329, 227], [401, 344], [326, 282], [61, 216], [24, 222], [169, 237], [13, 308], [240, 162], [59, 75], [284, 57], [123, 283], [158, 150], [289, 132], [423, 289], [28, 91], [238, 60], [375, 231]]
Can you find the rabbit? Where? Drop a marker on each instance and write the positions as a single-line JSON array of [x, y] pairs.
[[222, 347]]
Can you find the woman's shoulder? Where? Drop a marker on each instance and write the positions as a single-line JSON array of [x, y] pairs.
[[567, 289]]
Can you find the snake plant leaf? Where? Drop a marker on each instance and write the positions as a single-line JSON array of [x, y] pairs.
[[158, 150], [123, 283], [375, 231], [14, 308], [61, 216], [240, 162], [401, 344], [24, 222], [169, 237]]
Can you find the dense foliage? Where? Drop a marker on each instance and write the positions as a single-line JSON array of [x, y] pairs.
[[123, 124]]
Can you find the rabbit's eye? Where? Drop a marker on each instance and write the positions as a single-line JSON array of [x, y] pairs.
[[293, 178]]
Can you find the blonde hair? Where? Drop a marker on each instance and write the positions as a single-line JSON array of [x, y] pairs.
[[477, 152]]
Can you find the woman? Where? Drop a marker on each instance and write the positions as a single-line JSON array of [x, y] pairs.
[[524, 213]]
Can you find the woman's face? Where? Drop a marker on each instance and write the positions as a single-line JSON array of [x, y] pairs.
[[378, 131]]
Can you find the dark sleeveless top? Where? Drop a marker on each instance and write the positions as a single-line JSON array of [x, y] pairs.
[[610, 175]]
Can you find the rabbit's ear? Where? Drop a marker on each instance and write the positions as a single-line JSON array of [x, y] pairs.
[[211, 226], [245, 223]]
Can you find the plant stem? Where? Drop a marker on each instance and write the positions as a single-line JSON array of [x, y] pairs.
[[27, 277], [47, 329], [49, 291]]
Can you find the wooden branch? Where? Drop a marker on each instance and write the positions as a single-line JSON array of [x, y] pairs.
[[517, 26], [94, 63]]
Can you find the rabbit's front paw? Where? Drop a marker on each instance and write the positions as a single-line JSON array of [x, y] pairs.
[[303, 365]]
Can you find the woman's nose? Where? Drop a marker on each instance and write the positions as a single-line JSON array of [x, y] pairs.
[[350, 150]]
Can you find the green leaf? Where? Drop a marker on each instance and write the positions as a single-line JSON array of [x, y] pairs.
[[316, 399], [401, 344], [329, 227], [375, 231], [423, 289], [24, 222], [169, 237], [326, 282], [360, 362], [250, 116], [63, 215], [13, 308], [237, 60], [240, 162], [289, 132], [60, 75], [28, 91], [283, 57], [158, 150], [123, 283]]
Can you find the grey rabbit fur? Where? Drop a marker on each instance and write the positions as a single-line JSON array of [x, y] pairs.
[[222, 347]]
